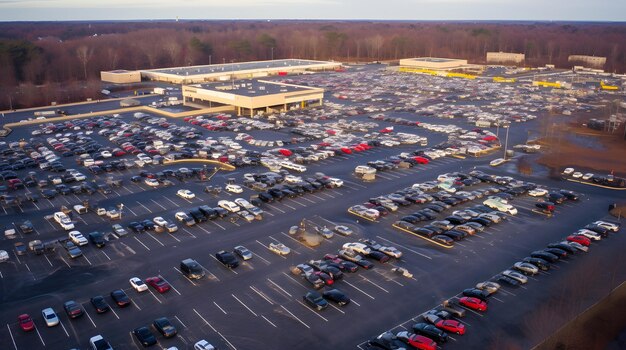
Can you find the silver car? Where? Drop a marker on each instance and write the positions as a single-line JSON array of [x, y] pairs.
[[489, 286], [244, 253], [343, 230], [526, 268], [50, 317], [516, 276]]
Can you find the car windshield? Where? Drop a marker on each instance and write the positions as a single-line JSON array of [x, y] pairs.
[[50, 316]]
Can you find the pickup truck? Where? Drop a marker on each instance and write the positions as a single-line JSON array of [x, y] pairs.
[[449, 307]]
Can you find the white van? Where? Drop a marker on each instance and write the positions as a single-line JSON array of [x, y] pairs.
[[364, 169]]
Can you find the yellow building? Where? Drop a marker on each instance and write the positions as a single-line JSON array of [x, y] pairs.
[[249, 97]]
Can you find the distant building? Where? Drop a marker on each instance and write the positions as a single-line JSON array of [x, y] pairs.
[[226, 71], [249, 97], [434, 63], [120, 76], [505, 57], [587, 61]]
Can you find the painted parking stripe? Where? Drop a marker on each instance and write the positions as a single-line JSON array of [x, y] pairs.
[[268, 321], [171, 285], [156, 239], [13, 340], [374, 284], [157, 203], [357, 288], [262, 295], [279, 287], [308, 308], [219, 307], [215, 330], [244, 305], [294, 316]]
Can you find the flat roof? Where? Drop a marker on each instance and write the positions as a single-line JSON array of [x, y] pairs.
[[251, 87], [233, 67], [434, 59]]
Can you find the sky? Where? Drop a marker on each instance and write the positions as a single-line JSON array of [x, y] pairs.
[[545, 10]]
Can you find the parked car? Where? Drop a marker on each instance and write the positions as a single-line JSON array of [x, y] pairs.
[[138, 284], [315, 300], [145, 336], [50, 317], [165, 327]]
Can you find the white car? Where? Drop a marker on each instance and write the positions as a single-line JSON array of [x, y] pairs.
[[538, 192], [516, 276], [228, 205], [185, 194], [608, 225], [589, 234], [50, 317], [293, 179], [160, 221], [78, 238], [119, 230], [357, 247], [587, 176], [203, 345], [335, 182], [138, 284], [577, 175], [234, 188], [181, 216], [343, 230], [371, 213], [568, 171], [151, 182], [106, 154], [279, 248]]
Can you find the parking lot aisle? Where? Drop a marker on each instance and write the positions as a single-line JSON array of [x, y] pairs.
[[214, 330], [143, 206]]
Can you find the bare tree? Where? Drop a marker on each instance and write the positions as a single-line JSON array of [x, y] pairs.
[[84, 54]]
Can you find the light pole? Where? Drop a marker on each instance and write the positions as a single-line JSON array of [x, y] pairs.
[[209, 60], [506, 140], [272, 53]]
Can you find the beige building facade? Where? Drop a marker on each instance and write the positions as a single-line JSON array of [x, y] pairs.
[[588, 61], [250, 97], [120, 76], [434, 63], [505, 57]]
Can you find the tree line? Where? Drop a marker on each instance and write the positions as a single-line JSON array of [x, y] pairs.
[[61, 61]]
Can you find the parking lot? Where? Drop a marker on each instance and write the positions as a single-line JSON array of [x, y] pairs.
[[259, 304]]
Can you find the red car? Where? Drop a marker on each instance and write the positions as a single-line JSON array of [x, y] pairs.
[[451, 326], [420, 160], [158, 283], [580, 239], [346, 150], [26, 323], [417, 341], [473, 303]]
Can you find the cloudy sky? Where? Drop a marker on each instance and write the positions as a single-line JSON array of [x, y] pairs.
[[585, 10]]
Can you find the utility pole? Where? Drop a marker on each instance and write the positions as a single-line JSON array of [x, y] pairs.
[[506, 141], [272, 53]]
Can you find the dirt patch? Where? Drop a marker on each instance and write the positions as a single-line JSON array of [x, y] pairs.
[[593, 329], [562, 152]]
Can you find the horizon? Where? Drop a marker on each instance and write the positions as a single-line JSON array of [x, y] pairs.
[[394, 10]]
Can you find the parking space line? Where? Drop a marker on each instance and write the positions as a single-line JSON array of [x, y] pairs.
[[244, 305], [288, 206], [279, 287], [268, 321], [105, 254], [148, 209], [336, 308], [141, 243], [357, 288], [262, 295], [130, 210], [502, 301], [298, 203], [276, 208], [157, 203], [188, 279], [171, 285], [65, 330], [114, 313], [218, 225], [134, 303], [155, 297], [294, 316], [151, 236], [404, 247], [214, 330], [318, 197], [379, 287], [231, 270], [260, 257], [84, 256], [181, 322], [308, 200], [66, 263], [354, 301], [308, 308], [188, 232], [219, 307], [13, 340], [174, 203]]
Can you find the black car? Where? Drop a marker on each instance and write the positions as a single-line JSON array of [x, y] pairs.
[[337, 296], [378, 256], [165, 327], [455, 219], [570, 195], [429, 214], [266, 197], [136, 227], [555, 197], [481, 221], [422, 231], [435, 207], [563, 246], [476, 293], [405, 225], [97, 238], [120, 298], [476, 226], [430, 331], [388, 341], [315, 300], [145, 336], [100, 304], [540, 263], [603, 231], [455, 234], [73, 309], [445, 240], [148, 224], [557, 251], [545, 256], [435, 229], [227, 258]]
